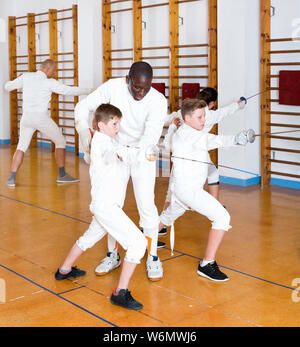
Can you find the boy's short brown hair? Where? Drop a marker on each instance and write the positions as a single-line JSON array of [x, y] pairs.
[[190, 105], [104, 113]]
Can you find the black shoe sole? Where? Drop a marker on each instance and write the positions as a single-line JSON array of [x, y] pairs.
[[162, 233], [211, 278], [161, 244], [127, 308]]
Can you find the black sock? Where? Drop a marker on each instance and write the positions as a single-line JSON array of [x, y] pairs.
[[61, 171]]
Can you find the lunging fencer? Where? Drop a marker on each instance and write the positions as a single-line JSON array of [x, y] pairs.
[[107, 171], [144, 111], [190, 153], [37, 90], [212, 117]]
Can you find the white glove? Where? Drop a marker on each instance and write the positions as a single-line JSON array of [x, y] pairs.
[[241, 138], [85, 139], [134, 154], [251, 135], [152, 153]]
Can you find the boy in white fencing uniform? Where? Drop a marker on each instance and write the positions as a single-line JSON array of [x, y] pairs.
[[212, 117], [37, 90], [106, 171], [189, 176], [144, 111]]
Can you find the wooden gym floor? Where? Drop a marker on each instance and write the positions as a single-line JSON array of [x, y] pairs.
[[40, 220]]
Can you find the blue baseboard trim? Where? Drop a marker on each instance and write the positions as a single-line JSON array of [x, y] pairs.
[[256, 180], [5, 142], [68, 148], [48, 145], [239, 181], [285, 183], [44, 144]]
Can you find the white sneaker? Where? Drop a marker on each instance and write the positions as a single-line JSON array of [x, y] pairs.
[[154, 269], [109, 263], [11, 182]]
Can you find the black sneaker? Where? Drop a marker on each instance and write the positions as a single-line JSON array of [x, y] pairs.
[[73, 273], [124, 299], [212, 272], [163, 232]]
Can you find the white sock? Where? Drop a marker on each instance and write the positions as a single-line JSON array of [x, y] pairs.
[[205, 262]]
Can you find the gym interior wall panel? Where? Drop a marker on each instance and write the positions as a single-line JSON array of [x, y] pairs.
[[285, 23]]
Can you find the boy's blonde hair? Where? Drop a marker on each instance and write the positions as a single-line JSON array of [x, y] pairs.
[[190, 105], [104, 113]]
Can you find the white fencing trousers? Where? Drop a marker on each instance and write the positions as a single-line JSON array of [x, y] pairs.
[[143, 175], [213, 176], [196, 199], [44, 124], [112, 220]]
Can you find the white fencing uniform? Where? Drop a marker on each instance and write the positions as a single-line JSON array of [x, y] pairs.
[[212, 117], [141, 126], [107, 173], [37, 91], [189, 177]]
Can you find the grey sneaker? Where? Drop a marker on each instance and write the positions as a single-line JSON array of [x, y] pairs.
[[67, 179], [11, 182]]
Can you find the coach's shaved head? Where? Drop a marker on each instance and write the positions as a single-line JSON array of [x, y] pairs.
[[139, 79], [141, 69]]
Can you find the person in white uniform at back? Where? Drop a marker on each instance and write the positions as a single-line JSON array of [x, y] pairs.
[[144, 111], [37, 91], [190, 155]]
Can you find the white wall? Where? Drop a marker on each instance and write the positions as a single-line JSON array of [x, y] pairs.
[[238, 75], [4, 75], [285, 24], [239, 54], [89, 43]]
